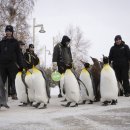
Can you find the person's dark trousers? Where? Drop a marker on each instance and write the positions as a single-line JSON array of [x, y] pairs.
[[61, 69], [9, 86], [123, 77], [9, 70]]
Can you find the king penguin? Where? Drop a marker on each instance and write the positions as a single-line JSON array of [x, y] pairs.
[[85, 77], [39, 86], [95, 72], [72, 90], [20, 88], [108, 84]]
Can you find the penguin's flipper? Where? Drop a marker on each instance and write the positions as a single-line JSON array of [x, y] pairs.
[[79, 81], [83, 86], [47, 82], [76, 105], [67, 105], [43, 107], [63, 89], [26, 86]]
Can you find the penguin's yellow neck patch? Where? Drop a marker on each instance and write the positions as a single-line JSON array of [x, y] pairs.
[[84, 71], [62, 75], [35, 70], [28, 73], [106, 66], [19, 73], [68, 71]]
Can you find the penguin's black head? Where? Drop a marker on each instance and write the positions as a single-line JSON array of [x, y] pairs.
[[86, 65], [105, 59]]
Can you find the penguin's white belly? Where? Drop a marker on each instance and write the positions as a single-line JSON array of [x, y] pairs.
[[85, 78], [71, 88], [39, 88], [29, 82], [20, 89], [108, 85]]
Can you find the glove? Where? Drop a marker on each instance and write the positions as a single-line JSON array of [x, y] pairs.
[[73, 66], [24, 71], [55, 66]]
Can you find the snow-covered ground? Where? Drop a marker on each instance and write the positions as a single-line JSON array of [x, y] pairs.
[[57, 117]]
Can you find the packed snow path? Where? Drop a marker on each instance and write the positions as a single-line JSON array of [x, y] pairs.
[[57, 117]]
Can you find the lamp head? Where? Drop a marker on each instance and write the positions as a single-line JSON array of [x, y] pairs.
[[42, 30]]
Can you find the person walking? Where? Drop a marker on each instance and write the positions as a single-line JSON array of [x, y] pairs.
[[10, 59], [119, 57], [62, 57]]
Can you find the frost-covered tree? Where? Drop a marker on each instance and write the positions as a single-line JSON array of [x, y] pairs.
[[16, 12]]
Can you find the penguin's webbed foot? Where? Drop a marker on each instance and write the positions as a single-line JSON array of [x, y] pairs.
[[97, 100], [67, 105], [113, 102], [23, 105], [76, 105], [43, 107], [31, 103], [36, 105], [82, 103], [105, 103], [64, 100], [90, 102]]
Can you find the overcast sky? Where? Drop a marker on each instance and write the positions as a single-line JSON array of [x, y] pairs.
[[100, 20]]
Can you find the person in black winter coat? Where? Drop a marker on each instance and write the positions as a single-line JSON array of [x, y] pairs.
[[21, 45], [30, 57], [10, 58], [62, 56], [119, 57]]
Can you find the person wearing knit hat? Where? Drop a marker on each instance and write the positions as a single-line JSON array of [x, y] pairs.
[[30, 57], [119, 57], [9, 28], [10, 59]]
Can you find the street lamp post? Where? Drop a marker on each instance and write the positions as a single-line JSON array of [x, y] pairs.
[[38, 25], [49, 53]]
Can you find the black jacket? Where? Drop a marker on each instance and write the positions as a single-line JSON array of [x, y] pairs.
[[30, 59], [62, 55], [10, 52], [120, 55]]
